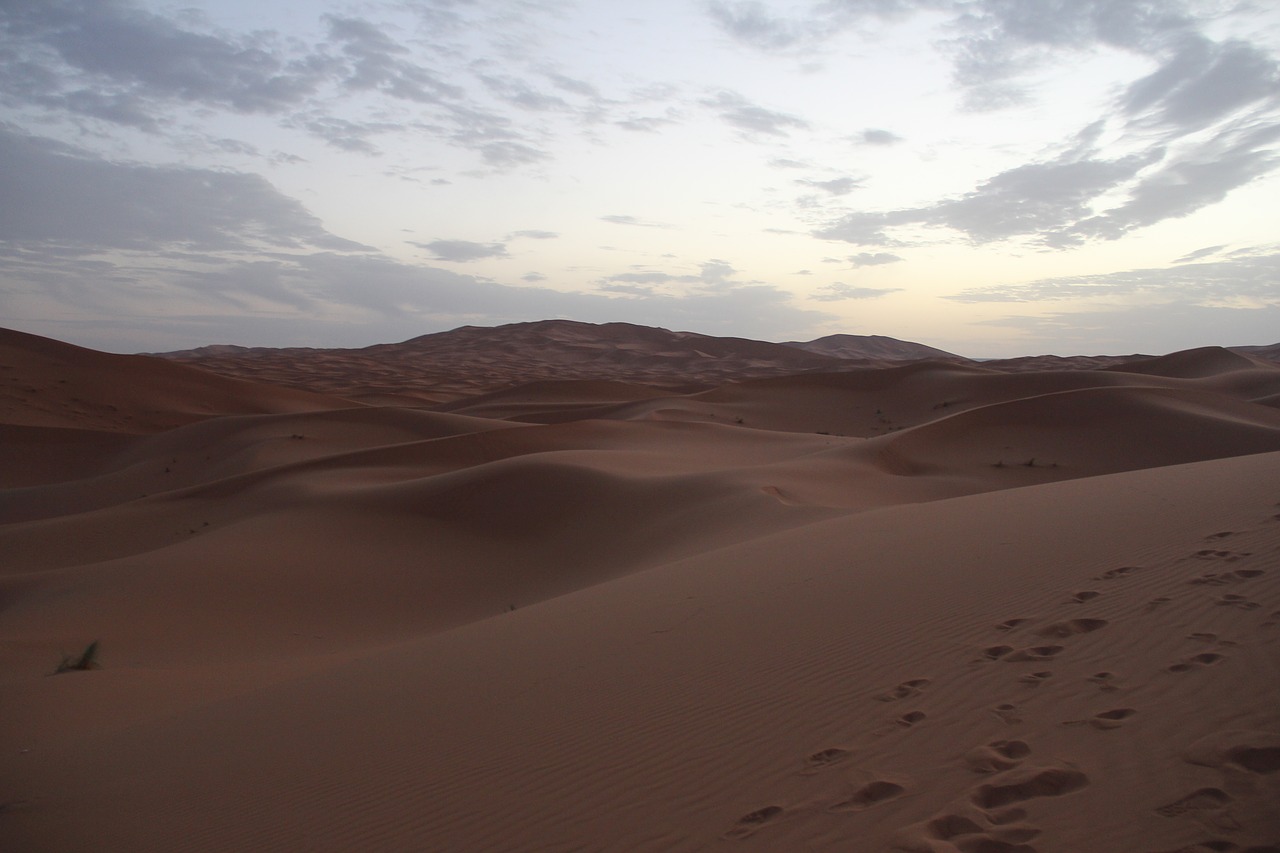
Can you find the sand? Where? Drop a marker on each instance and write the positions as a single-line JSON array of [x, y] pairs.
[[932, 607]]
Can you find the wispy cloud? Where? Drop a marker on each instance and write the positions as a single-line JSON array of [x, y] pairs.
[[751, 119], [462, 251], [839, 291], [635, 221]]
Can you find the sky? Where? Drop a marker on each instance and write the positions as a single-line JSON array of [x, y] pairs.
[[991, 177]]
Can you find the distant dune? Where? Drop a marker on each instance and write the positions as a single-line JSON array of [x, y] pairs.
[[556, 586]]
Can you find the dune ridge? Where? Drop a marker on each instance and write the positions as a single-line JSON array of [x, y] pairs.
[[931, 607]]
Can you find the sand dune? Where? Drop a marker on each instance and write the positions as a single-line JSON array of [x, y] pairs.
[[936, 607]]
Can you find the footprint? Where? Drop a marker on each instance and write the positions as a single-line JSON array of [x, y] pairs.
[[904, 690], [996, 652], [948, 826], [1085, 595], [1273, 619], [1010, 624], [1112, 574], [1106, 681], [1227, 556], [1203, 636], [1237, 601], [1029, 783], [1111, 719], [1034, 653], [996, 756], [1156, 602], [1223, 535], [824, 757], [750, 824], [1254, 751], [910, 718], [1009, 714], [1205, 798], [870, 794], [1035, 679], [1070, 627], [1202, 659], [1215, 579]]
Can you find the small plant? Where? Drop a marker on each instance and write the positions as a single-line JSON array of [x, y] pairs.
[[88, 659]]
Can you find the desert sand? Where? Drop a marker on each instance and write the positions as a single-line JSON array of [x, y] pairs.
[[631, 597]]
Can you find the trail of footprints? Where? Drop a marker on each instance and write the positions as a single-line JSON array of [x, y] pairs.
[[989, 819]]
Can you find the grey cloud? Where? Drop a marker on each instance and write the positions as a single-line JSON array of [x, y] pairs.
[[1038, 198], [1250, 277], [577, 87], [1199, 253], [644, 124], [837, 186], [783, 163], [1204, 81], [461, 251], [375, 62], [752, 119], [507, 153], [867, 259], [875, 136], [533, 277], [641, 278], [752, 24], [134, 53], [1190, 182], [1153, 329], [347, 135], [56, 194], [533, 235], [620, 219], [867, 228], [519, 93], [839, 291]]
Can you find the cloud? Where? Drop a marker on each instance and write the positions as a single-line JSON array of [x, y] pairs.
[[1152, 329], [875, 136], [839, 291], [837, 186], [110, 61], [59, 195], [867, 259], [130, 57], [1244, 280], [750, 23], [532, 235], [1054, 202], [374, 61], [643, 124], [1198, 254], [461, 251], [1202, 82], [620, 219], [752, 119]]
